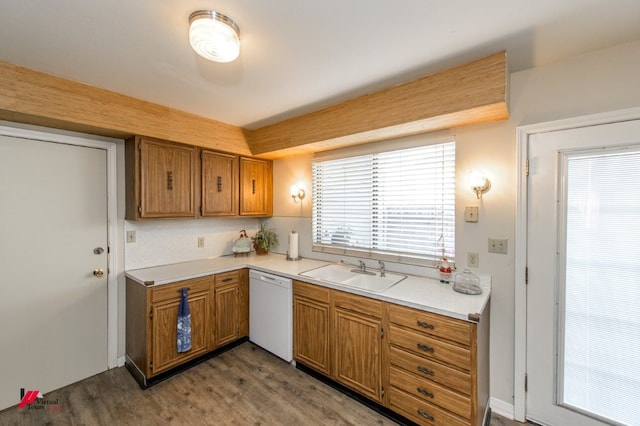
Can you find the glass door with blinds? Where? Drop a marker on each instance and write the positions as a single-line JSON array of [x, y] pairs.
[[583, 291], [599, 277]]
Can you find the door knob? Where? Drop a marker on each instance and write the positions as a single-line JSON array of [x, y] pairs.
[[98, 272]]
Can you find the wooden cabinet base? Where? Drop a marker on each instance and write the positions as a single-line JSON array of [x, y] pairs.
[[145, 382]]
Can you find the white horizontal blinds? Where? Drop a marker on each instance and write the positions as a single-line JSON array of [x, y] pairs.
[[602, 286], [397, 203], [342, 199]]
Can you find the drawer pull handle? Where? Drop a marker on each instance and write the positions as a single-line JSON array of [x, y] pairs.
[[425, 392], [425, 348], [226, 280], [426, 415], [426, 325], [426, 371], [180, 290]]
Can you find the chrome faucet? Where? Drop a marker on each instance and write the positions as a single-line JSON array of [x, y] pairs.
[[381, 263], [361, 267]]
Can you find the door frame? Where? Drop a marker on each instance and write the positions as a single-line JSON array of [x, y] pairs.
[[523, 133], [113, 240]]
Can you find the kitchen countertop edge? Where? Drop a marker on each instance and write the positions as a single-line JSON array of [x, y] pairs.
[[409, 292]]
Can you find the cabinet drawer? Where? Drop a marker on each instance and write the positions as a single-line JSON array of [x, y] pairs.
[[431, 370], [227, 278], [430, 347], [434, 324], [311, 291], [174, 290], [355, 303], [422, 412], [431, 392]]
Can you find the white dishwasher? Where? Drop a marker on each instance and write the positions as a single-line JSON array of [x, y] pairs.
[[270, 313]]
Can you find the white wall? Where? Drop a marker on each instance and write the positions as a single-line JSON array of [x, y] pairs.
[[601, 81]]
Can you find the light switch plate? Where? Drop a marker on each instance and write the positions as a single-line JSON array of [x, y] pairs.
[[471, 214], [473, 260]]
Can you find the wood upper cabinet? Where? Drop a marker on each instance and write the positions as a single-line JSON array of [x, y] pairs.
[[160, 179], [231, 307], [357, 334], [219, 173], [256, 187], [311, 326]]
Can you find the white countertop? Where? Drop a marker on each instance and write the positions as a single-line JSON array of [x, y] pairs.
[[422, 293]]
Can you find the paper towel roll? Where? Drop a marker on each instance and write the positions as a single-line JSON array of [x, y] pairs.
[[293, 245]]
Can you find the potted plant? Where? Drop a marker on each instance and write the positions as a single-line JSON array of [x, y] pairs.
[[264, 239]]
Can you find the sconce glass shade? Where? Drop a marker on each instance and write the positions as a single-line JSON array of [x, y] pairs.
[[479, 183], [297, 193], [214, 36]]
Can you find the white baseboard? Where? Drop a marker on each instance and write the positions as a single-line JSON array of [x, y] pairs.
[[501, 408], [121, 361]]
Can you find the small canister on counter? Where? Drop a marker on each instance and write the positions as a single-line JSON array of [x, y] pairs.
[[467, 283]]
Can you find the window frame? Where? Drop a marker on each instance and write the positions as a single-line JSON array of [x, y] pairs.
[[444, 246]]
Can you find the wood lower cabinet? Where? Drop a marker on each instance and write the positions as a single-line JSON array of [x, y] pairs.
[[231, 307], [429, 368], [438, 367], [311, 326], [219, 307], [160, 179], [357, 344], [164, 316]]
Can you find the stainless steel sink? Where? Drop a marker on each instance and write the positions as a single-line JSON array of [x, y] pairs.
[[344, 275]]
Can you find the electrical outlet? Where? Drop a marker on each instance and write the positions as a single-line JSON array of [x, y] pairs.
[[497, 246], [131, 236], [473, 259], [200, 242]]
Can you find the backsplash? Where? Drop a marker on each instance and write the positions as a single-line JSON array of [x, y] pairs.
[[161, 242]]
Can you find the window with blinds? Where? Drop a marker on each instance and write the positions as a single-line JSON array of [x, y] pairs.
[[396, 205]]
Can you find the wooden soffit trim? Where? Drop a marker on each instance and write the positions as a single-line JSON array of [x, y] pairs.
[[34, 97], [472, 93]]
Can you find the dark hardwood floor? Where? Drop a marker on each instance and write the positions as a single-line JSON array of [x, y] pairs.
[[244, 386]]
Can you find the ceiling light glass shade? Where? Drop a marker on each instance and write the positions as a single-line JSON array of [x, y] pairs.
[[214, 36]]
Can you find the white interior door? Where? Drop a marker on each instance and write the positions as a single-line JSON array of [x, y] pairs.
[[583, 292], [53, 235]]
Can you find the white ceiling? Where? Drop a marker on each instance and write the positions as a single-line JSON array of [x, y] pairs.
[[296, 55]]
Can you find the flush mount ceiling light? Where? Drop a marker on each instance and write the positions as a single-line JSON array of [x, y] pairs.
[[214, 36]]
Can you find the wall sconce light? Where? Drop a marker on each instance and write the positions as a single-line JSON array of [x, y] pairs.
[[479, 183], [297, 193], [214, 36]]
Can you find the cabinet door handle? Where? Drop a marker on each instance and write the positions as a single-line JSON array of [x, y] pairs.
[[426, 370], [253, 186], [426, 325], [425, 392], [219, 183], [169, 180], [426, 415], [425, 348]]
